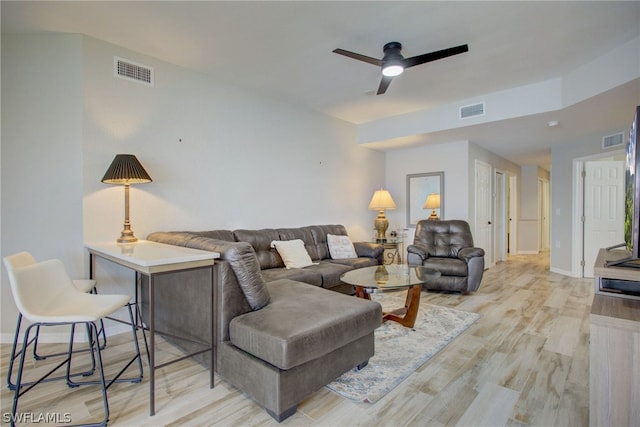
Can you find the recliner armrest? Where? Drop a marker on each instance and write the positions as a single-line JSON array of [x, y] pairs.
[[421, 252], [466, 254]]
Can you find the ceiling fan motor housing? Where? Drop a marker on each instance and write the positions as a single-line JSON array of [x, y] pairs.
[[392, 58], [392, 51]]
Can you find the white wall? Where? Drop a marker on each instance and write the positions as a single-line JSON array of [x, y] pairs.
[[450, 158], [244, 161], [457, 161], [41, 154], [478, 153]]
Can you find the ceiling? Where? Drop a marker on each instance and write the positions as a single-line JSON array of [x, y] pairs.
[[283, 50]]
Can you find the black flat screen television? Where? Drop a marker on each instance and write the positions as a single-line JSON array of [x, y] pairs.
[[631, 199]]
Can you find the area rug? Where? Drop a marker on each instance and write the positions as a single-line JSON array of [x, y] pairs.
[[399, 351]]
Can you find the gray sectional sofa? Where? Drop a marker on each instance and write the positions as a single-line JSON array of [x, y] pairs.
[[281, 334]]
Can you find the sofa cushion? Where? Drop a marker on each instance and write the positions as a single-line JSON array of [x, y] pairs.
[[293, 253], [447, 266], [319, 233], [177, 238], [360, 262], [302, 323], [217, 234], [330, 272], [244, 264], [299, 274], [261, 240], [304, 234], [340, 247]]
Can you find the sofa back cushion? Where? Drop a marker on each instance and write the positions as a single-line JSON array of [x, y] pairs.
[[340, 247], [218, 234], [319, 233], [239, 256], [261, 240], [304, 234], [293, 253], [443, 238]]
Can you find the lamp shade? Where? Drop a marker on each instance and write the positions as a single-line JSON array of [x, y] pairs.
[[433, 202], [126, 169], [381, 200]]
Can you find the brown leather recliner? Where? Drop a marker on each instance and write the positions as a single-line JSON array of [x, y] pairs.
[[447, 246]]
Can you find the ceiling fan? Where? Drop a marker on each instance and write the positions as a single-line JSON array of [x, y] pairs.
[[393, 63]]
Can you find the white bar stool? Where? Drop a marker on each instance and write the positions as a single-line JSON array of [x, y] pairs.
[[46, 296], [23, 259]]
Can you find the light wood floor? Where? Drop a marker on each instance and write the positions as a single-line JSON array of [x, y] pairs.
[[524, 363]]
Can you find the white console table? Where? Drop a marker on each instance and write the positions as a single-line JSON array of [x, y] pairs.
[[614, 350], [150, 259]]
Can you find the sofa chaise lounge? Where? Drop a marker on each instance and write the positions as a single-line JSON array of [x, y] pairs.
[[279, 335]]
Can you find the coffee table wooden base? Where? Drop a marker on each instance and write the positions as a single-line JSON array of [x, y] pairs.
[[406, 315]]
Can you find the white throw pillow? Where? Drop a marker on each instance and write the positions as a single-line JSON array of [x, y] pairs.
[[293, 253], [340, 247]]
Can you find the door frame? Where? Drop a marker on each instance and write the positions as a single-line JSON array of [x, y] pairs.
[[500, 210], [489, 255], [544, 229], [577, 244], [513, 214]]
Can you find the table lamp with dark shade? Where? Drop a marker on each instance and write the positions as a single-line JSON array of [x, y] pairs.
[[126, 170]]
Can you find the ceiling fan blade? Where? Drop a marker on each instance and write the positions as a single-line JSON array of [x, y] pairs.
[[384, 84], [359, 57], [434, 56]]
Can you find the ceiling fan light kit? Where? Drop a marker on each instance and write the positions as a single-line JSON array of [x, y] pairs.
[[393, 63], [392, 70]]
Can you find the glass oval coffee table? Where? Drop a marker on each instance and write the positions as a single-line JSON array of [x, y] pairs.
[[387, 278]]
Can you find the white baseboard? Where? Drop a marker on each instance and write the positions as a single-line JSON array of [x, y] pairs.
[[59, 337], [563, 272], [528, 252]]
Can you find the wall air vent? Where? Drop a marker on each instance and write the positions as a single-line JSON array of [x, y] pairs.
[[613, 141], [129, 70], [474, 110]]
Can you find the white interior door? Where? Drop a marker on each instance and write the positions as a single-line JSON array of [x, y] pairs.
[[500, 217], [543, 203], [483, 226], [603, 209], [513, 214]]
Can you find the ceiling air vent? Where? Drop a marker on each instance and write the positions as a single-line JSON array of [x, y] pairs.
[[474, 110], [613, 141], [129, 70]]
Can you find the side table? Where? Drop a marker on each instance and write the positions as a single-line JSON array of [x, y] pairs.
[[151, 259], [393, 248]]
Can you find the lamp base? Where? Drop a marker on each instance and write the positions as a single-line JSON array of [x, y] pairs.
[[434, 215], [127, 237], [381, 224]]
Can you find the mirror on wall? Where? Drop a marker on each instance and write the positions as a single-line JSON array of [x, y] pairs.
[[425, 197]]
